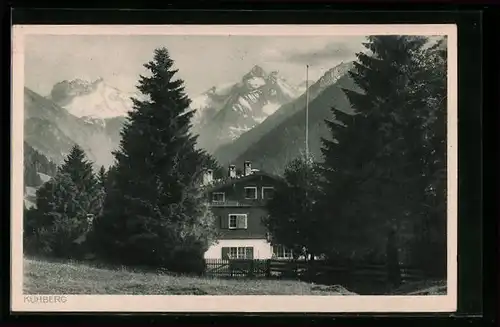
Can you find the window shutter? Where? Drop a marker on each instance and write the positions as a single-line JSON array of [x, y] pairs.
[[249, 253], [224, 222], [242, 222], [225, 253]]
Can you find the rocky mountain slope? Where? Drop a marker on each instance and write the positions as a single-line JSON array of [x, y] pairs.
[[229, 152], [287, 139], [226, 112], [52, 131], [303, 86]]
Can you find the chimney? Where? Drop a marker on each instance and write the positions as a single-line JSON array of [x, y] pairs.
[[208, 176], [232, 171], [247, 168]]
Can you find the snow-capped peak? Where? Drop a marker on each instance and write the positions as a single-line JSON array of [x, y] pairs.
[[92, 99], [224, 113]]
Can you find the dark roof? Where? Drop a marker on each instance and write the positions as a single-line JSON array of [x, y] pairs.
[[229, 181]]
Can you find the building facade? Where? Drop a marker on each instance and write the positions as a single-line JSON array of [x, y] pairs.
[[238, 203]]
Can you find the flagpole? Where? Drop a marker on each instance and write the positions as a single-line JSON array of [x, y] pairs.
[[307, 112]]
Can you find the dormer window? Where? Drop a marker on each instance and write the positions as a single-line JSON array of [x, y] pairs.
[[267, 192], [250, 193], [218, 197]]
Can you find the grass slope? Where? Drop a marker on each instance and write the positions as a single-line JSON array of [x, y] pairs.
[[42, 277]]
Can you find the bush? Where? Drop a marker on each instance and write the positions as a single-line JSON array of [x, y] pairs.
[[187, 261]]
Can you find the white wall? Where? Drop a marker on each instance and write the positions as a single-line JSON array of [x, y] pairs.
[[261, 248]]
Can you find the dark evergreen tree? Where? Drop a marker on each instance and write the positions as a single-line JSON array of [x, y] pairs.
[[210, 162], [373, 168], [430, 229], [79, 169], [63, 206], [101, 177], [293, 220], [345, 170], [154, 213]]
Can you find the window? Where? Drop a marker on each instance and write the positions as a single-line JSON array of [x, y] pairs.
[[238, 221], [267, 192], [243, 252], [218, 197], [233, 221], [281, 252], [250, 193]]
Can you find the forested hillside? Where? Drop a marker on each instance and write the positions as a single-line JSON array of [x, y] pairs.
[[35, 164]]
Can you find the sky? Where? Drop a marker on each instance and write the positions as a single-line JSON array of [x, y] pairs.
[[202, 61]]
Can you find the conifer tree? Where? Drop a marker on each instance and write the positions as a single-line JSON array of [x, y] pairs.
[[153, 209], [63, 205], [210, 162], [101, 177], [373, 168], [346, 168], [79, 168], [430, 229]]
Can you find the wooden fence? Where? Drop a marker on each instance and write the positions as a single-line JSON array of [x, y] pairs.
[[318, 271]]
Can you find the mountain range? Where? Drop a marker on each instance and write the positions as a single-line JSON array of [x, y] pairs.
[[286, 141], [281, 119], [92, 99], [260, 118], [226, 112], [52, 130]]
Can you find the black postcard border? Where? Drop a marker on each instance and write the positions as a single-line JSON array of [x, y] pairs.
[[471, 240]]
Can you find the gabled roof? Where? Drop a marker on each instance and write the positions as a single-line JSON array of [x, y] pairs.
[[229, 181]]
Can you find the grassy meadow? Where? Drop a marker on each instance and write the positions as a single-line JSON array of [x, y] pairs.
[[43, 277], [48, 277]]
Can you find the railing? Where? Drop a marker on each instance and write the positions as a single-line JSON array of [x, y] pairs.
[[318, 270], [237, 268]]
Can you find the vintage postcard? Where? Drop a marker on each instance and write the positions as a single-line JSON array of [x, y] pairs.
[[234, 168]]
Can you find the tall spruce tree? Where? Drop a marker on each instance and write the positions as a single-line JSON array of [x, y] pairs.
[[154, 214], [346, 168], [430, 229], [210, 162], [63, 205], [80, 169], [101, 176], [373, 168]]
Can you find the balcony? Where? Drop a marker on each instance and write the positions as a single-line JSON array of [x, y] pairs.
[[235, 203]]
